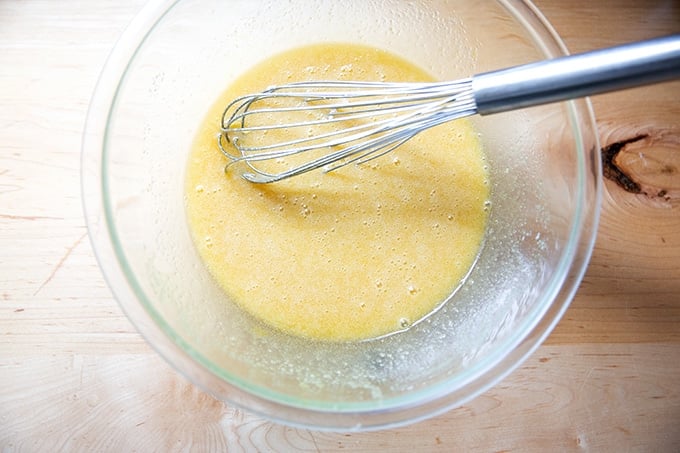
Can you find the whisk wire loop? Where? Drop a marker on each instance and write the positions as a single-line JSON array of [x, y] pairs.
[[332, 124]]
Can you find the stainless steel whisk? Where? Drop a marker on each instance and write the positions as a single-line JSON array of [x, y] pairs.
[[271, 131]]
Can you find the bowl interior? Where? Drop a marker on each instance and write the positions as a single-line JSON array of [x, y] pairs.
[[543, 169]]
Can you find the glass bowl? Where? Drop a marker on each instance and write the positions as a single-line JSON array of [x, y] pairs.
[[168, 68]]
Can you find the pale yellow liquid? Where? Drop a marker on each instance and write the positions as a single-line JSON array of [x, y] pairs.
[[353, 254]]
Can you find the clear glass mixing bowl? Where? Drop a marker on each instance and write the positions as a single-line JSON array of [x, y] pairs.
[[166, 70]]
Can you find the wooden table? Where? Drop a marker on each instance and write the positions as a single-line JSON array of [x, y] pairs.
[[75, 375]]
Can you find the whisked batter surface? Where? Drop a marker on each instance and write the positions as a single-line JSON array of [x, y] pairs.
[[352, 254]]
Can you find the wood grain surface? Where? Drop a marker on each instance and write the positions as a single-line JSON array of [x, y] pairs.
[[76, 376]]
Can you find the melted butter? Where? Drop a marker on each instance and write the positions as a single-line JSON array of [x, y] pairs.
[[353, 254]]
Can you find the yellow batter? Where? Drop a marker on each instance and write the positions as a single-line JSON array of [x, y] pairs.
[[353, 254]]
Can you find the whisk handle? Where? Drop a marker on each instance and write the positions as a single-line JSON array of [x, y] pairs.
[[575, 76]]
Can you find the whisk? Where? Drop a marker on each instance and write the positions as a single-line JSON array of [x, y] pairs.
[[291, 129]]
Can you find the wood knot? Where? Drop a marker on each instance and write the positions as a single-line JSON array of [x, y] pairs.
[[646, 164]]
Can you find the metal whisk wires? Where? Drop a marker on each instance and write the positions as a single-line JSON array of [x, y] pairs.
[[291, 129]]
